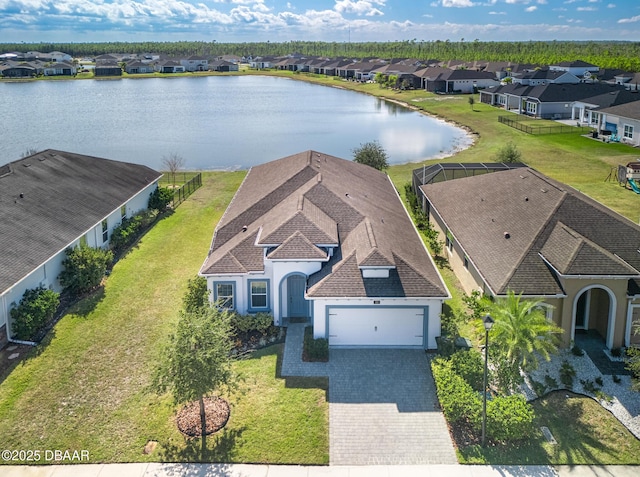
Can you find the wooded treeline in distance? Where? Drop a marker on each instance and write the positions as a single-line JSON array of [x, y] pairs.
[[606, 54]]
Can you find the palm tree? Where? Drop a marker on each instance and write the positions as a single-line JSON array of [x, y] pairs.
[[521, 332]]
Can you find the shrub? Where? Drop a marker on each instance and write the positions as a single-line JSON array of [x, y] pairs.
[[129, 230], [84, 268], [589, 386], [616, 352], [469, 365], [260, 322], [509, 418], [160, 199], [567, 373], [577, 351], [616, 379], [36, 307], [539, 388], [599, 381], [550, 382], [314, 349], [457, 398]]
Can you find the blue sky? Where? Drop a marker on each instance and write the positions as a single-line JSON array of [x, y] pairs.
[[324, 20]]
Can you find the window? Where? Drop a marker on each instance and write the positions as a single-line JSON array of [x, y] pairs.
[[628, 131], [546, 309], [83, 241], [123, 212], [258, 295], [105, 231], [532, 108], [224, 294], [466, 262], [449, 241]]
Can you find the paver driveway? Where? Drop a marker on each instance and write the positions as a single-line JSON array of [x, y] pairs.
[[383, 409]]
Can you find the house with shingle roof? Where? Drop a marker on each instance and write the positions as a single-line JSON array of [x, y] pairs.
[[316, 237], [518, 230], [623, 120], [53, 200]]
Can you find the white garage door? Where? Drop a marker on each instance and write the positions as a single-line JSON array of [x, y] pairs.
[[376, 326]]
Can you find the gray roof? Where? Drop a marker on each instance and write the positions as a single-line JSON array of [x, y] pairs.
[[50, 199], [508, 221], [300, 204], [628, 110]]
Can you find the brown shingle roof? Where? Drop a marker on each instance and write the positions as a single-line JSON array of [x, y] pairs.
[[327, 200], [526, 205], [297, 247]]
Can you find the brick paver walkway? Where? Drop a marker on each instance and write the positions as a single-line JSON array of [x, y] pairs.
[[382, 405]]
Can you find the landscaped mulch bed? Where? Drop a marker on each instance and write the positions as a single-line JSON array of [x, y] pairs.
[[216, 411]]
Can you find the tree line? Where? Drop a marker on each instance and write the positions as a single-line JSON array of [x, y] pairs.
[[606, 54]]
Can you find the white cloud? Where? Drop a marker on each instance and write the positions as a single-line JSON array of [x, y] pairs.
[[497, 13], [542, 2], [586, 9], [359, 7], [630, 20], [457, 3], [531, 9], [611, 5]]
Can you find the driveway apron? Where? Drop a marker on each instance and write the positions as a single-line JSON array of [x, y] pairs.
[[383, 409]]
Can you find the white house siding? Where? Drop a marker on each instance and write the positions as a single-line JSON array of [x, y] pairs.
[[281, 270], [47, 274], [620, 123], [360, 306]]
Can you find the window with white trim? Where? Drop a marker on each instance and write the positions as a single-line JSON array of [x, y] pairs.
[[532, 108], [224, 294], [628, 131], [105, 231], [449, 241], [258, 295], [123, 212], [546, 309]]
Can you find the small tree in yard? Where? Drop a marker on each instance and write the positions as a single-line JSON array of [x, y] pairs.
[[160, 199], [197, 296], [197, 360], [173, 162], [509, 153], [84, 268], [471, 102], [633, 363], [372, 154]]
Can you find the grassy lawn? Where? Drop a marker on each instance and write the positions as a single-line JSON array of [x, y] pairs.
[[86, 386], [584, 431]]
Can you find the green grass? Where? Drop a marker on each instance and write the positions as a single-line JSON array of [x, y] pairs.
[[585, 432], [87, 386]]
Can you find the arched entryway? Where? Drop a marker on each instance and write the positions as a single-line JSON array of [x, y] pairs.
[[292, 301], [594, 312]]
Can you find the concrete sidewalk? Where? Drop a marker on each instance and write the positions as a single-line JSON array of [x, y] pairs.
[[245, 470]]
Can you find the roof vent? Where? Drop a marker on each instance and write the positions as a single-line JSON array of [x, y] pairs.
[[347, 196], [507, 235], [244, 228], [27, 164], [526, 199], [21, 195], [544, 190]]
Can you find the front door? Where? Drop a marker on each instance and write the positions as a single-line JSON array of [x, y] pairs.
[[296, 285]]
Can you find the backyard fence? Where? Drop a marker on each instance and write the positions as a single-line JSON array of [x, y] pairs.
[[188, 188], [528, 128]]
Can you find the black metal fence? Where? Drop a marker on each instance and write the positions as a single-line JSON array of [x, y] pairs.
[[529, 128], [189, 187]]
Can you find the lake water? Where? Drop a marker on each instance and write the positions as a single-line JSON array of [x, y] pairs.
[[214, 122]]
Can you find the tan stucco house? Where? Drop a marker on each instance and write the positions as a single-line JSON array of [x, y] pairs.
[[520, 230]]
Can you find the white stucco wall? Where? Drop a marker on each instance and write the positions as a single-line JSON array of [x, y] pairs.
[[46, 275]]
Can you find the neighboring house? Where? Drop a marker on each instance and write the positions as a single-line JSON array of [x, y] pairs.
[[135, 67], [519, 230], [579, 68], [12, 69], [549, 101], [588, 110], [459, 81], [223, 66], [318, 237], [107, 68], [60, 68], [623, 121], [541, 77], [262, 62], [168, 66], [53, 200], [195, 63]]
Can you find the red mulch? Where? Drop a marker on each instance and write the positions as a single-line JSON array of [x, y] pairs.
[[216, 411]]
